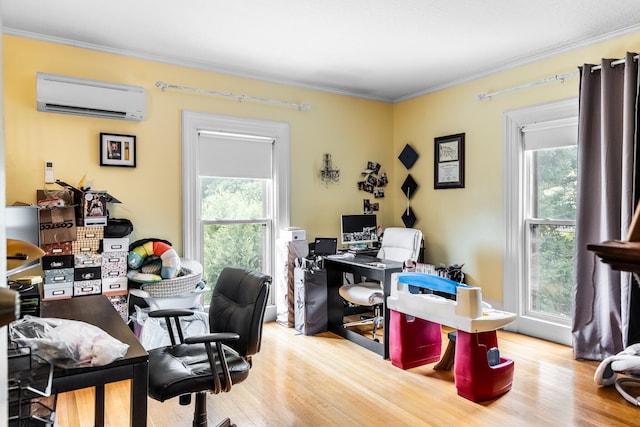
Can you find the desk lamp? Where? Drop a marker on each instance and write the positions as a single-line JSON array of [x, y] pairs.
[[21, 256]]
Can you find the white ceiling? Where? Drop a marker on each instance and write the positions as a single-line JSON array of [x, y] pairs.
[[378, 49]]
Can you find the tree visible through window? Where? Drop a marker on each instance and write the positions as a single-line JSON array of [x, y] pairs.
[[551, 227], [234, 220]]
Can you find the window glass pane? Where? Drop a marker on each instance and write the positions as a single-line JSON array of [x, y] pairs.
[[238, 245], [550, 270], [232, 198], [554, 186]]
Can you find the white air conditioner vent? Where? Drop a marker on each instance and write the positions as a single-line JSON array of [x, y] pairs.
[[83, 97]]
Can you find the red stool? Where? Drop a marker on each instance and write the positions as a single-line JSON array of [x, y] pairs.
[[475, 379], [413, 341]]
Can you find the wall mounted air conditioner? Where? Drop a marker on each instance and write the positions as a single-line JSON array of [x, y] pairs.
[[83, 97]]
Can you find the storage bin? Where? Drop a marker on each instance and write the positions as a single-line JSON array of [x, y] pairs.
[[114, 284], [475, 379], [413, 341], [57, 291], [87, 287]]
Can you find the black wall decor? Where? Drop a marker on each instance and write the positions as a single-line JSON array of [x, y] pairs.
[[408, 157]]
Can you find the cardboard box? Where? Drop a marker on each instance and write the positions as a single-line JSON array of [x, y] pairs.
[[60, 248], [54, 198], [57, 291], [114, 285], [89, 233], [60, 275], [121, 303], [85, 208], [85, 246], [57, 225], [120, 244], [114, 264], [54, 262], [87, 274], [85, 260], [293, 233], [87, 287]]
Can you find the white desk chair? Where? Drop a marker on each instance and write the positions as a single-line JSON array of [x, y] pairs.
[[398, 244]]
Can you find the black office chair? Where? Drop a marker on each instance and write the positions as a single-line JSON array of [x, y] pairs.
[[236, 314]]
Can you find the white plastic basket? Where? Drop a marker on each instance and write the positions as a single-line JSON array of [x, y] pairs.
[[190, 276]]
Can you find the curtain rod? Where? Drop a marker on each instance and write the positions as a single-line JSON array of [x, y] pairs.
[[239, 97], [557, 77], [613, 64]]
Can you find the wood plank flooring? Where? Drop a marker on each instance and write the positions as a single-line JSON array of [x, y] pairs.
[[324, 380]]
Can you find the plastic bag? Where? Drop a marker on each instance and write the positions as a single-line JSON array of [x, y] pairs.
[[153, 332], [66, 343]]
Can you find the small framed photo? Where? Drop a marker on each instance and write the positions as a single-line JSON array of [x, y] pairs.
[[448, 170], [118, 150]]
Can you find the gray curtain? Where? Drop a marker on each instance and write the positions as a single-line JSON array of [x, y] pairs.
[[606, 151]]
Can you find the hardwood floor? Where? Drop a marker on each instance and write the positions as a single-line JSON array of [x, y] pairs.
[[324, 380]]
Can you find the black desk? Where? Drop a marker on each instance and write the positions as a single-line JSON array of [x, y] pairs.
[[359, 267], [98, 311]]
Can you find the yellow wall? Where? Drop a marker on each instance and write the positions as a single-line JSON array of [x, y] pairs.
[[460, 225], [353, 130], [466, 226]]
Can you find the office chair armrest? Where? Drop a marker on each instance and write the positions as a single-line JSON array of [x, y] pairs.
[[215, 337], [170, 312], [174, 314]]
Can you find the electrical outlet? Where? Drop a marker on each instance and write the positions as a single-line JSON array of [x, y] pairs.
[[49, 175]]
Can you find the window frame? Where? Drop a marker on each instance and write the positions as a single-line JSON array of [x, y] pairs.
[[195, 122], [515, 239]]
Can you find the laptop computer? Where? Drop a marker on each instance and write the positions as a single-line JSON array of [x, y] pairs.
[[324, 246]]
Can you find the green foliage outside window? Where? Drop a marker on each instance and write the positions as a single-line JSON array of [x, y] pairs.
[[229, 243], [553, 246]]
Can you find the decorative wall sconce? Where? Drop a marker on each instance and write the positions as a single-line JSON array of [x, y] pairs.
[[328, 173]]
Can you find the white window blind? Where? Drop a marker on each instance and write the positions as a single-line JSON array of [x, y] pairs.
[[234, 156], [551, 134]]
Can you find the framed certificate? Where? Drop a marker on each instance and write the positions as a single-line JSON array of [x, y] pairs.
[[448, 170]]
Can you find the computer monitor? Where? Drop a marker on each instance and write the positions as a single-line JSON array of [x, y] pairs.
[[358, 230]]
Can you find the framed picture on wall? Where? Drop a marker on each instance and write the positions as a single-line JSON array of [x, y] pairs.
[[117, 150], [448, 170]]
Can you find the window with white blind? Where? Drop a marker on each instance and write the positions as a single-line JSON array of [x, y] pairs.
[[237, 186]]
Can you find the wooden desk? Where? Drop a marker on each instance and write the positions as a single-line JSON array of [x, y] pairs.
[[335, 304], [98, 311], [623, 256]]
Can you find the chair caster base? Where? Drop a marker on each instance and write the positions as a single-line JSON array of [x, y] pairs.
[[225, 423], [185, 399]]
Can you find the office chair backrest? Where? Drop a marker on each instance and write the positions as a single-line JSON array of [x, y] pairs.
[[400, 244], [236, 296]]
